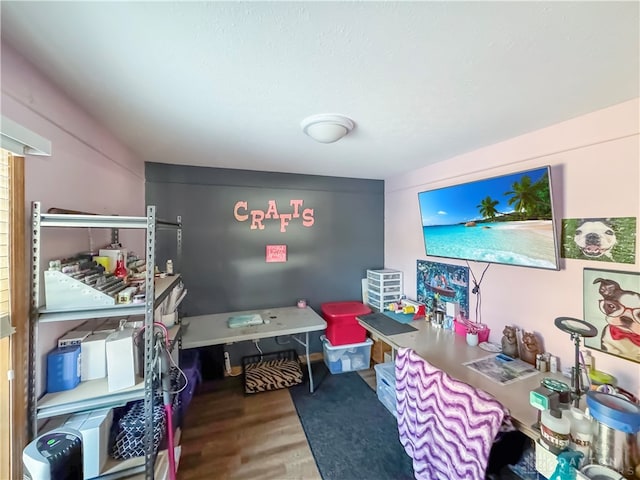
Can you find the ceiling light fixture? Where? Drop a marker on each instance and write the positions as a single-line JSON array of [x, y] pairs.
[[327, 128]]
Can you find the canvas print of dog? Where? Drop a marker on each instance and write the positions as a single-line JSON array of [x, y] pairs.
[[595, 238], [600, 239], [614, 303]]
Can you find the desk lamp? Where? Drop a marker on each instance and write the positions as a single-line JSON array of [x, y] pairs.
[[576, 328]]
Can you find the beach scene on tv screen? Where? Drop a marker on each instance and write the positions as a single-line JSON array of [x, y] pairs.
[[506, 219]]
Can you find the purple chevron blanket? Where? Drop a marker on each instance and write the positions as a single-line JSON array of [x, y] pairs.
[[446, 426]]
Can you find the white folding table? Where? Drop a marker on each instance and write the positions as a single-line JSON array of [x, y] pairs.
[[207, 330]]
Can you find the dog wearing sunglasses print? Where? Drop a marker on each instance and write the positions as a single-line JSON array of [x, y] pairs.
[[621, 335]]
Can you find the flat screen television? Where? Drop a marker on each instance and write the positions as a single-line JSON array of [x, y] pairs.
[[507, 219]]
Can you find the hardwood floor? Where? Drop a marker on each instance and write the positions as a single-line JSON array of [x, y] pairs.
[[227, 435]]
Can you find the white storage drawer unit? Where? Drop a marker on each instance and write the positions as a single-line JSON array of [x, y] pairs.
[[384, 287]]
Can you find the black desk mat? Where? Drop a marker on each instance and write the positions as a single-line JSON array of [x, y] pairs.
[[386, 325]]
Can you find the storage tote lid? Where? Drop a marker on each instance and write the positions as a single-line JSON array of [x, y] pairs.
[[345, 308], [615, 412], [326, 343]]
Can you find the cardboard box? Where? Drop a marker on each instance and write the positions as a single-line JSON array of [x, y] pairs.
[[93, 363], [73, 337], [121, 362], [378, 349], [109, 325]]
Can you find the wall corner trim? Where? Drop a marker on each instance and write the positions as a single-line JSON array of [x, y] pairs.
[[22, 141]]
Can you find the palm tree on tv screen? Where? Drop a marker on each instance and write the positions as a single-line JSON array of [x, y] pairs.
[[542, 205], [529, 199], [487, 207]]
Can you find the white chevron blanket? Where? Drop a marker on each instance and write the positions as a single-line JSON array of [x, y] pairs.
[[446, 426]]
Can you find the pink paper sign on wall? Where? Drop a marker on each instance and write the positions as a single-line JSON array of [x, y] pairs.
[[276, 253]]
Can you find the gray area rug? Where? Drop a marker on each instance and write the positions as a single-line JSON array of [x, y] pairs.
[[351, 434]]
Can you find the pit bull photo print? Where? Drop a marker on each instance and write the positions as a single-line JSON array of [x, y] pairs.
[[612, 305], [599, 239]]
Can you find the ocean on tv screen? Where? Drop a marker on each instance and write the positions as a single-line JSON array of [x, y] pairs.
[[527, 243], [506, 219]]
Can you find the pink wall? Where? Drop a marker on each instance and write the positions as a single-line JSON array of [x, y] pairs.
[[88, 169], [595, 172]]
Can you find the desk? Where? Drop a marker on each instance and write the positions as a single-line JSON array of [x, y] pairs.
[[447, 351], [207, 330]]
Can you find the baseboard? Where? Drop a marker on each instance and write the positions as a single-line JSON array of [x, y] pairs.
[[314, 357]]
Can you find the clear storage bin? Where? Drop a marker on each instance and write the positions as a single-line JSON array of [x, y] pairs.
[[346, 358], [386, 386]]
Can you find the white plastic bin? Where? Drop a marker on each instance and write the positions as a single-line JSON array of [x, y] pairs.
[[386, 385], [346, 358]]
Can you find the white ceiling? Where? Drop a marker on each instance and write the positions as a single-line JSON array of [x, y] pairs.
[[226, 84]]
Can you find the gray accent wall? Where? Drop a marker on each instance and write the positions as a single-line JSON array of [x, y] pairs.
[[223, 259]]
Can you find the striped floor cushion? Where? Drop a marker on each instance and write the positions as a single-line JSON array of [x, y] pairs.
[[271, 375]]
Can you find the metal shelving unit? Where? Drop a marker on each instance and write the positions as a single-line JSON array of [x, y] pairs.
[[94, 394]]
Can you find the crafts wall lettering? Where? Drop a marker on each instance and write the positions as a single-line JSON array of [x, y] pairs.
[[257, 217]]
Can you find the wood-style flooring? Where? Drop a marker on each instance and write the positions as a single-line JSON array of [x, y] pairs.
[[227, 435]]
